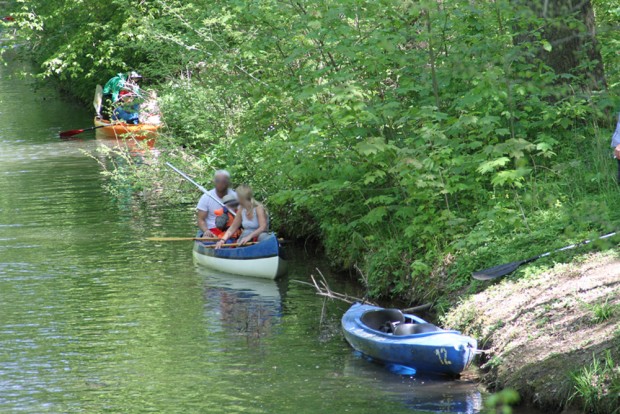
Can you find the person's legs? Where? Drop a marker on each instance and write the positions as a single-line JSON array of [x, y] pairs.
[[260, 237], [127, 117]]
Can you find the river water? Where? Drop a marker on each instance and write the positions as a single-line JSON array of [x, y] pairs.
[[94, 318]]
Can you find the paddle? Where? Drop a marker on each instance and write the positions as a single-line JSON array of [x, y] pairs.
[[212, 246], [66, 134], [97, 104], [196, 239], [98, 99], [201, 188], [507, 268], [182, 238]]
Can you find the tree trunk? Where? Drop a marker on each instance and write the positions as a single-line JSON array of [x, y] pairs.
[[574, 46]]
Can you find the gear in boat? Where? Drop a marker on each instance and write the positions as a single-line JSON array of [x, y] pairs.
[[392, 321]]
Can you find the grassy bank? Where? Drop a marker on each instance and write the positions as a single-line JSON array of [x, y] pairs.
[[553, 335], [416, 140]]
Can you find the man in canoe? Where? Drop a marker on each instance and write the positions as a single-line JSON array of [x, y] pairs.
[[207, 205]]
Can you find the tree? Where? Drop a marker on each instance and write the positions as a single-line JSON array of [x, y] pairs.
[[568, 27]]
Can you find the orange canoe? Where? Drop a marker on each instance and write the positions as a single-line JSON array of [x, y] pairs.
[[123, 131]]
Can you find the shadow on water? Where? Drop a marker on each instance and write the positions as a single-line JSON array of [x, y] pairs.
[[424, 393]]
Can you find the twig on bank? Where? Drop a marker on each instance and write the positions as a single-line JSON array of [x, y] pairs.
[[302, 282], [362, 276], [322, 288], [419, 308]]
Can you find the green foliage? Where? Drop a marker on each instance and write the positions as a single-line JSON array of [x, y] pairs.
[[608, 15], [502, 401], [397, 133], [126, 172], [597, 387], [494, 362]]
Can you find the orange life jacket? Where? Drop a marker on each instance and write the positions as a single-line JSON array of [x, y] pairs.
[[231, 218]]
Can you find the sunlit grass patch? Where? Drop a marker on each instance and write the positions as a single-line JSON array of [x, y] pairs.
[[601, 312], [597, 386]]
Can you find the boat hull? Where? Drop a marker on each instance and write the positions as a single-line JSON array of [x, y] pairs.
[[122, 131], [442, 352], [263, 260]]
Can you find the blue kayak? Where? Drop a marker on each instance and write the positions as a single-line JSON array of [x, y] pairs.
[[390, 336]]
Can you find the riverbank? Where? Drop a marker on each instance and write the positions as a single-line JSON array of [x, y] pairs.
[[542, 331]]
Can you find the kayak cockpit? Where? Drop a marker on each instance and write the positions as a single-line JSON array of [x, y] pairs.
[[382, 320], [415, 328], [393, 321]]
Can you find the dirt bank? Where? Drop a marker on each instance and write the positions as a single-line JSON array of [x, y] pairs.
[[540, 328]]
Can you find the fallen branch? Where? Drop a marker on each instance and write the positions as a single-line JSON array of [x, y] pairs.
[[419, 308], [322, 288]]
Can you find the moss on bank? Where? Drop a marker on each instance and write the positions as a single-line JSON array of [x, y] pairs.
[[541, 330]]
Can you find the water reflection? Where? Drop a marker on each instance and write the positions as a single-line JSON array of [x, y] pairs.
[[433, 394], [123, 143], [241, 306]]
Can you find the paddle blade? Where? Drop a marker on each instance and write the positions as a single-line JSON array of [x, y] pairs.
[[66, 134], [98, 99], [497, 271]]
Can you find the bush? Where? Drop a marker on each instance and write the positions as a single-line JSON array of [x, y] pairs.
[[397, 133]]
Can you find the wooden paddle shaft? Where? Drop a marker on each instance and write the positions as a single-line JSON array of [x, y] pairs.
[[231, 245], [182, 239]]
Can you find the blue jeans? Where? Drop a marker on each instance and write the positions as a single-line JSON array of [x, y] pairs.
[[260, 237], [128, 117]]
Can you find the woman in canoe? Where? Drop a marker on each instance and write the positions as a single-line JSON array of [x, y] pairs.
[[251, 215]]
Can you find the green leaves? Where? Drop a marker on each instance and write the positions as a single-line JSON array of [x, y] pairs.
[[512, 177], [397, 126], [493, 165]]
